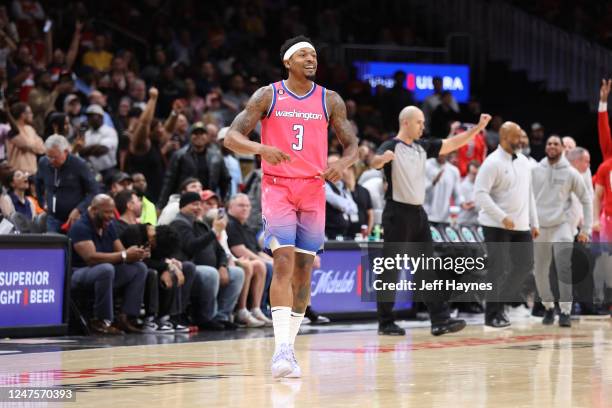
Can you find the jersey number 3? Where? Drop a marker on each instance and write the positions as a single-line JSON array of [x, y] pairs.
[[299, 136]]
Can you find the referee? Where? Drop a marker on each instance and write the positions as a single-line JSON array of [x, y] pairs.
[[404, 220]]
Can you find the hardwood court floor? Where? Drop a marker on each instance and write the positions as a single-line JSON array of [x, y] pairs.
[[526, 366]]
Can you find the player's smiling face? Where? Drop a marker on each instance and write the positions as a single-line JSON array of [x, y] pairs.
[[304, 62]]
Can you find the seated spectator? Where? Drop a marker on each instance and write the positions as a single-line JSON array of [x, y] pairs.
[[23, 142], [216, 286], [18, 184], [64, 184], [129, 207], [149, 212], [171, 209], [199, 159], [252, 188], [373, 181], [243, 244], [361, 197], [254, 272], [340, 207], [102, 263], [169, 281], [120, 181], [100, 143]]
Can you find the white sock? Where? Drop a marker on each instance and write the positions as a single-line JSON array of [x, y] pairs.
[[281, 319], [294, 326]]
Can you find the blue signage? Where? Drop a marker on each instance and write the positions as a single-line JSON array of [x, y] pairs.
[[31, 287], [419, 77]]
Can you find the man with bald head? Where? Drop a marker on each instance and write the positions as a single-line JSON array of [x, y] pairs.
[[404, 219], [507, 215], [102, 264]]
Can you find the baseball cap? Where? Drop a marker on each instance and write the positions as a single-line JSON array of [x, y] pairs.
[[197, 126], [207, 195], [95, 110], [536, 126], [121, 177]]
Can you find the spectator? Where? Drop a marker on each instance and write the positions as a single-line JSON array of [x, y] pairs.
[[218, 286], [199, 159], [129, 207], [171, 210], [57, 123], [119, 182], [235, 99], [475, 150], [102, 263], [442, 116], [434, 100], [231, 163], [64, 184], [23, 142], [537, 142], [441, 186], [469, 209], [373, 181], [98, 98], [252, 188], [361, 197], [149, 212], [100, 142], [42, 100], [569, 143], [493, 133], [18, 184], [526, 149], [98, 58], [340, 207], [243, 243], [396, 98], [195, 103]]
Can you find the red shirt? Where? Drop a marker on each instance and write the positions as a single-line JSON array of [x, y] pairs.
[[603, 177], [475, 150]]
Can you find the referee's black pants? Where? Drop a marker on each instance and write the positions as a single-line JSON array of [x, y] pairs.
[[406, 224], [508, 266]]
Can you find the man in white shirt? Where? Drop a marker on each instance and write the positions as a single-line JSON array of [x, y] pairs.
[[469, 208], [509, 220], [554, 183], [101, 141], [442, 183]]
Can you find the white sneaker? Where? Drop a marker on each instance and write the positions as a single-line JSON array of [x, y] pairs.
[[149, 326], [259, 315], [164, 326], [245, 318], [282, 362], [296, 371]]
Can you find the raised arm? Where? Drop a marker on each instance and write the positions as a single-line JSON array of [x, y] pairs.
[[139, 139], [344, 133], [603, 124], [453, 143], [237, 137], [74, 45]]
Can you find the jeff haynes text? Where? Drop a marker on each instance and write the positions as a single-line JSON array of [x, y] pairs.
[[436, 285]]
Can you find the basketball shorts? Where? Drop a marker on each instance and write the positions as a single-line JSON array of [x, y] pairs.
[[293, 211]]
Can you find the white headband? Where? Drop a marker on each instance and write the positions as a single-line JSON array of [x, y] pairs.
[[295, 47]]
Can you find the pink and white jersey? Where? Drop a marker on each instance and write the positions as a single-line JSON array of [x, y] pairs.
[[297, 125]]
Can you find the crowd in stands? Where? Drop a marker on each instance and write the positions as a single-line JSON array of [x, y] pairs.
[[122, 147]]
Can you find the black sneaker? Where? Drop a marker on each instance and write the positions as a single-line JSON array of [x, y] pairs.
[[565, 320], [211, 325], [449, 326], [549, 317], [390, 329], [538, 309], [227, 325]]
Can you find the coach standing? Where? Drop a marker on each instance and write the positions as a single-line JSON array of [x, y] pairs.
[[404, 220], [507, 209]]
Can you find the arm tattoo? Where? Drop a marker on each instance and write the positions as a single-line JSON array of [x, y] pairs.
[[255, 109], [337, 118]]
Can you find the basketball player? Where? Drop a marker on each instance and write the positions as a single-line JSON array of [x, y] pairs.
[[294, 115]]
